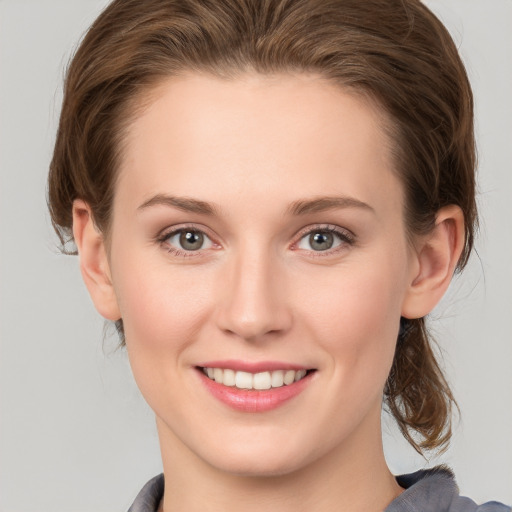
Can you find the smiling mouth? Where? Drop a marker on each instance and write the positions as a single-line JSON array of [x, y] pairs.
[[254, 381]]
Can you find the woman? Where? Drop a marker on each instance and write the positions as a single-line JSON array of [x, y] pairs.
[[268, 198]]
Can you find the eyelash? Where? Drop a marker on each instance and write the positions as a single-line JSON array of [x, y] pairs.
[[345, 237], [164, 237]]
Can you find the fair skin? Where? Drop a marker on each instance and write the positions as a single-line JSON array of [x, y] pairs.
[[256, 287]]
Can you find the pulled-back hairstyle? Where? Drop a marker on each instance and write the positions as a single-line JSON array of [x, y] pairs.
[[395, 52]]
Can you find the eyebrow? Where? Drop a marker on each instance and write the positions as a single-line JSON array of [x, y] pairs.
[[186, 204], [297, 208], [322, 204]]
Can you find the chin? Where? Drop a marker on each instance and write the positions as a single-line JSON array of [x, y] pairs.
[[258, 459], [257, 466]]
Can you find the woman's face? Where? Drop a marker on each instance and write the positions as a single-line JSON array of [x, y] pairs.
[[258, 229]]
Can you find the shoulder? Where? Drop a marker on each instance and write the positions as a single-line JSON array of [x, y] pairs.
[[431, 490], [435, 490], [149, 496]]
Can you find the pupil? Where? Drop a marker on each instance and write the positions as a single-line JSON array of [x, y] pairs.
[[321, 241], [191, 240]]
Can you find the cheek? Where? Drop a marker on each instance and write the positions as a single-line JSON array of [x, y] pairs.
[[160, 307], [163, 311], [356, 321]]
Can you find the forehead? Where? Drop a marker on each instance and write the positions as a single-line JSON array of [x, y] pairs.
[[286, 133]]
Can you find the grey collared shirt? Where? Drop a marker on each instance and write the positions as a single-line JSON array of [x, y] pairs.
[[430, 490]]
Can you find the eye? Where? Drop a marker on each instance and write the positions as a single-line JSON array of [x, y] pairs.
[[185, 240], [325, 239]]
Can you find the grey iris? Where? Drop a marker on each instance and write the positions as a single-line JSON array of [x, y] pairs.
[[321, 241], [191, 240]]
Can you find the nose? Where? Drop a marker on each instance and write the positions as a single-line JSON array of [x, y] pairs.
[[253, 303]]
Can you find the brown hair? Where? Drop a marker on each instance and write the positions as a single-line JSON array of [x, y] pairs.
[[394, 51]]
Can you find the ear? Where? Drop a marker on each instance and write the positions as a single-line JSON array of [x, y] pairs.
[[94, 263], [436, 256]]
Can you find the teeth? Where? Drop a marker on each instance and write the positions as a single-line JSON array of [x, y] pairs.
[[262, 380], [218, 375], [229, 378], [300, 375], [277, 378], [246, 380], [243, 380], [289, 377]]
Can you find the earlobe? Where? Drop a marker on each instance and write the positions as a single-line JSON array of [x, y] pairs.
[[437, 256], [94, 264]]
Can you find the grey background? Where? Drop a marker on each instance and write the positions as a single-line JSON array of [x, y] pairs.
[[75, 435]]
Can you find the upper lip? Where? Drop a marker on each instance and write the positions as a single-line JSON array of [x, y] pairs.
[[252, 366]]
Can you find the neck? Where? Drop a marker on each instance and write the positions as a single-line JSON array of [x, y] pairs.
[[353, 477]]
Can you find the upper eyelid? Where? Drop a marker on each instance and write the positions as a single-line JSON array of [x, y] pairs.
[[167, 232], [326, 227]]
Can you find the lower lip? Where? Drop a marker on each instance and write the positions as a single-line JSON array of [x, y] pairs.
[[254, 400]]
